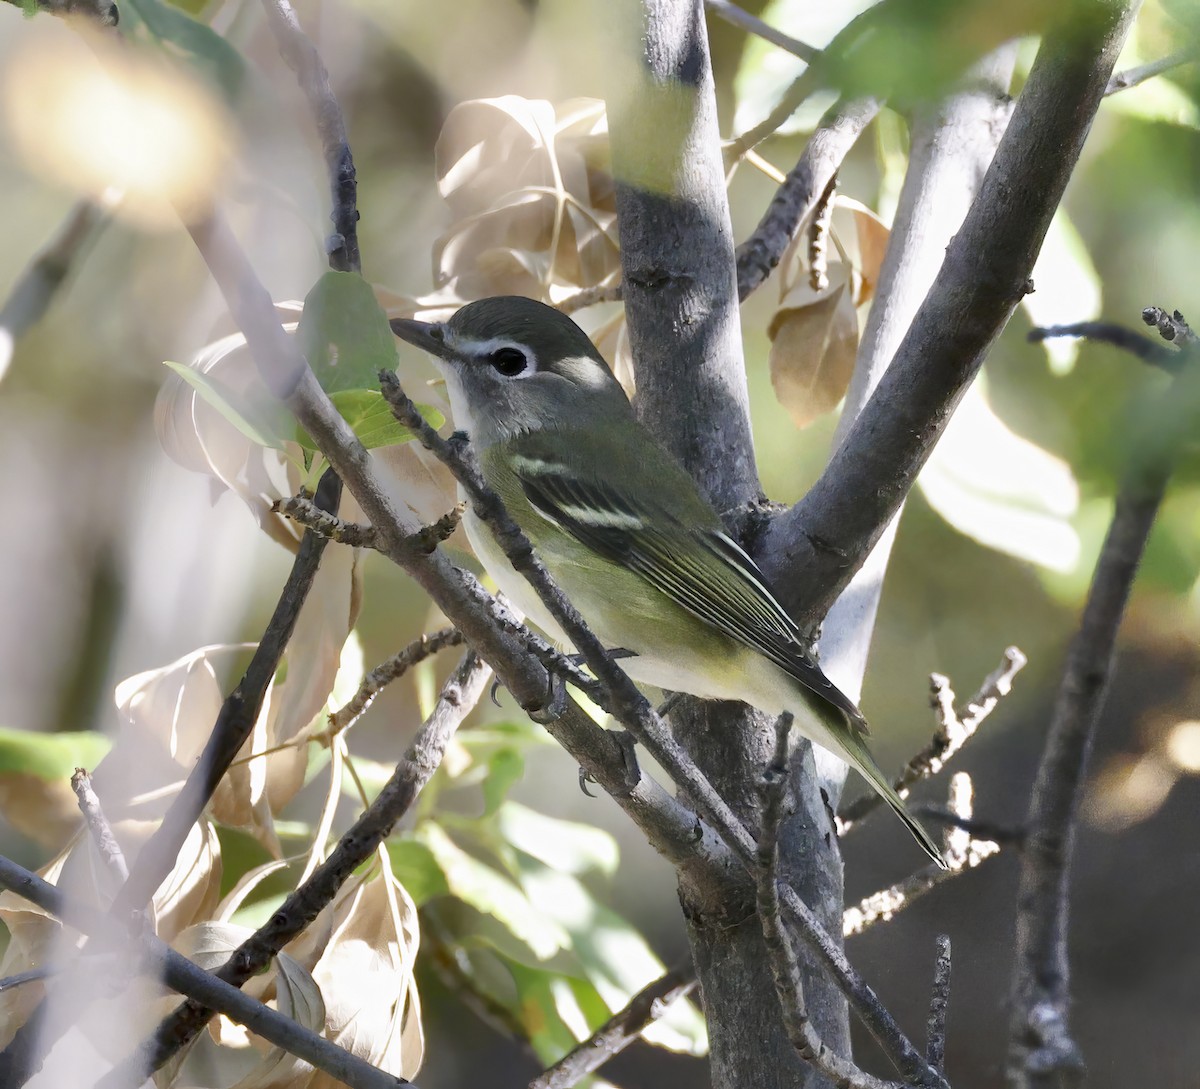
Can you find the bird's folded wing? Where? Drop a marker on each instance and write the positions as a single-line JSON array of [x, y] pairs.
[[701, 569]]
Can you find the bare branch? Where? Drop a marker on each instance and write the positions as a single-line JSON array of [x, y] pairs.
[[619, 1031], [97, 822], [954, 730], [812, 551], [34, 291], [302, 57], [1041, 1051], [939, 1007], [795, 199], [301, 509], [459, 695], [590, 296], [785, 965], [1171, 327], [186, 978], [1131, 77], [962, 852], [738, 17], [395, 667], [1104, 332]]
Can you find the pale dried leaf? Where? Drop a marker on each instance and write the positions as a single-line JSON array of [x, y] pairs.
[[871, 234], [366, 975], [814, 341]]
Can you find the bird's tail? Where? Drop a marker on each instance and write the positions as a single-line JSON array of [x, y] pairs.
[[856, 753]]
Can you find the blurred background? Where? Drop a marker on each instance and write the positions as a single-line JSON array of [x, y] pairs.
[[115, 559]]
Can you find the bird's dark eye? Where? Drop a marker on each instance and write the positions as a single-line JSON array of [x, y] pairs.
[[508, 361]]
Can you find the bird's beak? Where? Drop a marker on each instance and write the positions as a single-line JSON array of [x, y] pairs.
[[422, 334]]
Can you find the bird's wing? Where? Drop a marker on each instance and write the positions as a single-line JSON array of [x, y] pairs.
[[701, 569]]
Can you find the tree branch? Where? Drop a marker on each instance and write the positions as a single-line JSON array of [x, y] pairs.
[[795, 199], [619, 1031], [34, 291], [963, 851], [742, 19], [954, 730], [394, 668], [785, 966], [98, 826], [303, 59], [939, 1007], [812, 551], [1041, 1051], [1131, 77]]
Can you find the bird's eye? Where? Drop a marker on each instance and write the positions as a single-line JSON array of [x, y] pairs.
[[508, 361]]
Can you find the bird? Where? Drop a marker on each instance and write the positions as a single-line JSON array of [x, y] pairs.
[[623, 529]]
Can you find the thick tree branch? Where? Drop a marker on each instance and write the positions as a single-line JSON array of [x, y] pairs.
[[677, 258], [185, 977], [813, 550], [939, 1007]]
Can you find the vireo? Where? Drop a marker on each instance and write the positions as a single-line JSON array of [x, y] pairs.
[[622, 527]]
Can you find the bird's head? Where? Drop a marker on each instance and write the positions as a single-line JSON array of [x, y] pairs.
[[514, 365]]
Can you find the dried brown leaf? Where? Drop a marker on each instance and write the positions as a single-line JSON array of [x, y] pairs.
[[814, 340]]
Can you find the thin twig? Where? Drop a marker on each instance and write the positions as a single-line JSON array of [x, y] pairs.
[[962, 852], [954, 730], [939, 1007], [619, 1031], [1041, 1050], [785, 965], [303, 59], [795, 199], [395, 667], [1131, 77], [590, 296], [459, 695], [185, 977], [741, 18], [33, 292], [301, 509], [1171, 327], [93, 814], [1104, 332]]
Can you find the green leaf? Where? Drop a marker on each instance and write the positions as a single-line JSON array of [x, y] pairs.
[[504, 769], [416, 868], [370, 417], [344, 333], [211, 53], [50, 756], [214, 393], [494, 895], [562, 845], [548, 1009], [616, 958]]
